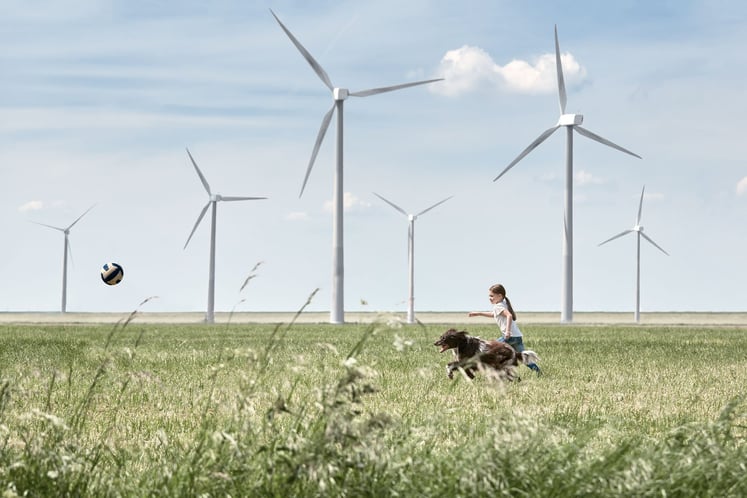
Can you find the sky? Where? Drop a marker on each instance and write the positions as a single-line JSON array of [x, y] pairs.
[[99, 101]]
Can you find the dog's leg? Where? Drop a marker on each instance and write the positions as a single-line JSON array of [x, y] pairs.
[[466, 366], [515, 376], [450, 367], [470, 366]]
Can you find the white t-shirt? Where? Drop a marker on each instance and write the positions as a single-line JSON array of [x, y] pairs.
[[502, 320]]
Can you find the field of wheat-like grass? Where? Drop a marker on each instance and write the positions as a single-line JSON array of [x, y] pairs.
[[366, 410]]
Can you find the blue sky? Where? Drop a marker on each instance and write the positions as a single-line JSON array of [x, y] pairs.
[[100, 99]]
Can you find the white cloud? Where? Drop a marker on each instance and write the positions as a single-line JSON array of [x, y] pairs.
[[586, 178], [349, 202], [297, 216], [549, 177], [469, 68], [464, 70], [31, 206], [742, 186], [654, 196]]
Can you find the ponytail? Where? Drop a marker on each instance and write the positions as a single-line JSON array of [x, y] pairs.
[[510, 308]]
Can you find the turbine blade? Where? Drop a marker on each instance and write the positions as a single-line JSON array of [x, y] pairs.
[[594, 136], [48, 226], [433, 206], [199, 219], [199, 173], [615, 237], [314, 64], [559, 67], [374, 91], [640, 207], [654, 243], [234, 198], [529, 149], [79, 217], [391, 204], [320, 136]]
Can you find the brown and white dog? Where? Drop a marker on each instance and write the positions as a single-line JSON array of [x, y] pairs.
[[473, 354]]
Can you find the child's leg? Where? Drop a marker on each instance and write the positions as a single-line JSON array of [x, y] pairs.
[[534, 367], [518, 344]]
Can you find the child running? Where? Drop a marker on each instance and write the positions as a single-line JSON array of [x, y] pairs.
[[505, 317]]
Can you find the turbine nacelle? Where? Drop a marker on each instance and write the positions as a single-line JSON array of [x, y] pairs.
[[570, 119], [340, 93], [216, 198], [638, 228]]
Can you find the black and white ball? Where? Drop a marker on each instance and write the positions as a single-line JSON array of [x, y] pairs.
[[112, 273]]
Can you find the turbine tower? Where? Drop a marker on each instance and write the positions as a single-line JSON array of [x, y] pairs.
[[337, 312], [213, 200], [571, 122], [65, 252], [638, 229], [411, 251]]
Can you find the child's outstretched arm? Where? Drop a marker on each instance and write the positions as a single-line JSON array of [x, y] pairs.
[[488, 314]]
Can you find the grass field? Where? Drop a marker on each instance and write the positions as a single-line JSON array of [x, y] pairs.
[[366, 409]]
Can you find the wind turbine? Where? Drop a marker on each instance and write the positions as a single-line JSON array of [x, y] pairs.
[[638, 229], [411, 251], [65, 252], [571, 122], [339, 95], [213, 200]]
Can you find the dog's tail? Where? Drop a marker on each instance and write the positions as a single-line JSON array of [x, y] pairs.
[[528, 356]]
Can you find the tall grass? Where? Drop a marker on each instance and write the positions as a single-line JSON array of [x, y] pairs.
[[366, 410]]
